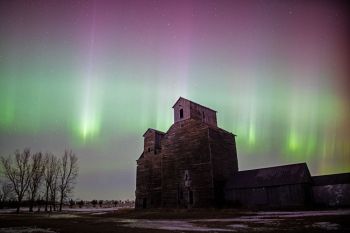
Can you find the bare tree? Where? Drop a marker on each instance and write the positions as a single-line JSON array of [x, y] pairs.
[[47, 178], [68, 175], [5, 193], [38, 169], [18, 172], [50, 178], [54, 184]]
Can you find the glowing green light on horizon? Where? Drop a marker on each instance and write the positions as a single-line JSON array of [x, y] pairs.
[[293, 142], [89, 128], [251, 135], [7, 117], [311, 146]]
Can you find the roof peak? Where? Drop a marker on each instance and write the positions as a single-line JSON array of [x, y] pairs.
[[157, 131], [192, 102]]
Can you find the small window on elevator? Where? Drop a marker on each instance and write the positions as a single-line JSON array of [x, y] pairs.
[[181, 113]]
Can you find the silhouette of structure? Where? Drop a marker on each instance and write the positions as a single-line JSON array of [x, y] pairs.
[[194, 164]]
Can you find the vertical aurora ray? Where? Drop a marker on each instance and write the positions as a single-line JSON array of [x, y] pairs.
[[7, 113], [293, 140], [90, 122]]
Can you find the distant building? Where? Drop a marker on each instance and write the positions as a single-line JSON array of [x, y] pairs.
[[194, 164]]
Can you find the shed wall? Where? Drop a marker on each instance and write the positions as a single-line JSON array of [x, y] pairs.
[[294, 195], [332, 195]]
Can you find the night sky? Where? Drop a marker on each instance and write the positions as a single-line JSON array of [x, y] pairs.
[[92, 76]]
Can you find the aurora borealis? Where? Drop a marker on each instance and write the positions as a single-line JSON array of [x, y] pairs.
[[92, 76]]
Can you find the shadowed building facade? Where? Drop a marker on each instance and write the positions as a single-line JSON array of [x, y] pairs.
[[188, 165], [194, 164]]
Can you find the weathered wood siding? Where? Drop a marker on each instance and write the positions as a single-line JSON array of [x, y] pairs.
[[203, 114], [194, 111], [148, 181], [188, 165], [222, 147], [148, 173], [149, 141], [185, 148], [294, 195], [185, 106], [336, 195]]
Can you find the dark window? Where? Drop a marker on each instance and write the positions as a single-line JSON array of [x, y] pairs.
[[144, 203], [149, 149], [203, 116], [181, 113], [191, 197]]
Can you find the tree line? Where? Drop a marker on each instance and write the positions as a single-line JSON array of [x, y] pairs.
[[27, 175], [101, 203]]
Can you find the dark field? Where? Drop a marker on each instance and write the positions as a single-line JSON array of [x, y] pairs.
[[129, 220]]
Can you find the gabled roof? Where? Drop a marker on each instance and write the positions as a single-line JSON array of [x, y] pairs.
[[150, 129], [193, 103], [271, 176], [342, 178], [141, 156], [215, 128]]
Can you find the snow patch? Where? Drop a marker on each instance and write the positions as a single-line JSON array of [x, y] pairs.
[[99, 213], [170, 225], [326, 225], [268, 221], [254, 219], [25, 230], [296, 214], [7, 211], [63, 216], [91, 210], [238, 226]]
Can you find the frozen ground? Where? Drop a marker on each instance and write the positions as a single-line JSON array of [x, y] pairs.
[[172, 225], [127, 220], [63, 215], [25, 230], [260, 221], [326, 225], [91, 210], [296, 214], [70, 210], [3, 211]]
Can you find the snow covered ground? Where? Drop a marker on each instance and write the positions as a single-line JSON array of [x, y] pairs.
[[172, 225], [91, 210], [296, 214], [4, 211]]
